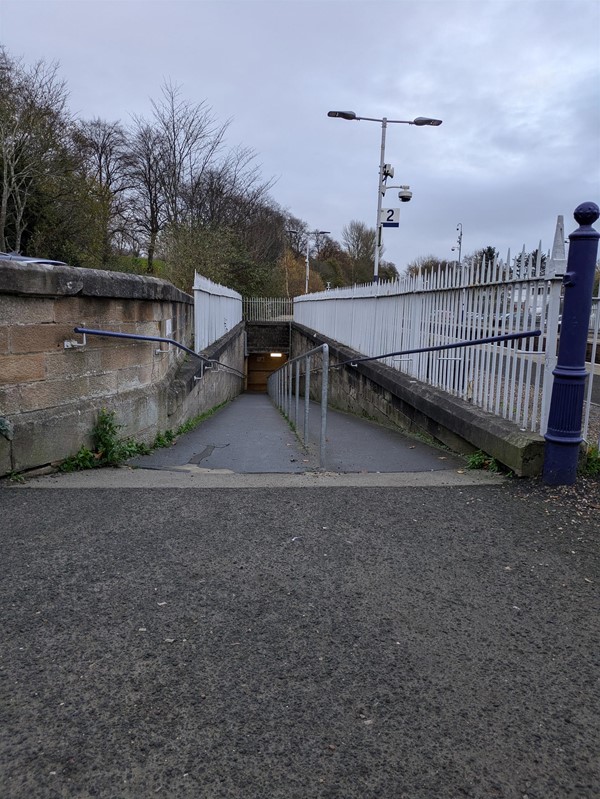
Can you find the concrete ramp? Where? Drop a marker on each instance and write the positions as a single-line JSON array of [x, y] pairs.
[[250, 436]]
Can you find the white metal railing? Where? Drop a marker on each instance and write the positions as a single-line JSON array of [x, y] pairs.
[[591, 415], [511, 380], [217, 309], [268, 309]]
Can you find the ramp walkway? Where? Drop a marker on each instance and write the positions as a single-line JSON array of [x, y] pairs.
[[250, 436]]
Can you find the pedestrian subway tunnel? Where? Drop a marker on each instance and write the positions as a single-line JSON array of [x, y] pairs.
[[250, 435], [267, 349]]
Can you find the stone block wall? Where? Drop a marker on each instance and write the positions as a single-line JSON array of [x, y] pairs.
[[50, 396]]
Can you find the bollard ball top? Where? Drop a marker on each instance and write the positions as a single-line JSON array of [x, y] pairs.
[[586, 213]]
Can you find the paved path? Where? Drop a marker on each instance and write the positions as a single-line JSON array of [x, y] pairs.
[[314, 643], [250, 436], [200, 633]]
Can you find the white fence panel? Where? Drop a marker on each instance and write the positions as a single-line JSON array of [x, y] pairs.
[[217, 309], [591, 418], [510, 379], [268, 309]]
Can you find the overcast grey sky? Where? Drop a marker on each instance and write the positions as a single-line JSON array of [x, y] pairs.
[[517, 85]]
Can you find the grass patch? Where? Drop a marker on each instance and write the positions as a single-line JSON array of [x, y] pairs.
[[191, 424], [481, 460], [590, 466]]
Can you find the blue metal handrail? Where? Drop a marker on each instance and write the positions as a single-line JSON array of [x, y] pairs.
[[138, 337], [467, 343]]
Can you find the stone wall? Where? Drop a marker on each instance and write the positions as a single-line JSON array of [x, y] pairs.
[[381, 393], [50, 396]]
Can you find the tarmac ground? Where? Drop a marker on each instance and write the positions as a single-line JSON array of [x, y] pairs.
[[188, 632]]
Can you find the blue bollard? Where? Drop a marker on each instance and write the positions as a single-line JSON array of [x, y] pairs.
[[563, 436]]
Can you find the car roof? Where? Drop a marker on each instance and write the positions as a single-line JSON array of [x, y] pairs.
[[14, 256]]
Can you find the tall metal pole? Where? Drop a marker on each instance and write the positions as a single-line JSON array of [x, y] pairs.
[[380, 186], [307, 264], [563, 436]]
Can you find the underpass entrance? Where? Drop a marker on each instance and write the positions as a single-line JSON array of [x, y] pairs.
[[259, 365], [267, 348]]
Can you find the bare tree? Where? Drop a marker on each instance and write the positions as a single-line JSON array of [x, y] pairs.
[[169, 156], [33, 130], [145, 171], [359, 240], [191, 140], [230, 192], [103, 152]]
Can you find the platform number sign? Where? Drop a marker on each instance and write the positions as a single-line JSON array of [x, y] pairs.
[[390, 217]]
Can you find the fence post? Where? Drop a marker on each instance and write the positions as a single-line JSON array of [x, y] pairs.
[[306, 396], [563, 435], [324, 390]]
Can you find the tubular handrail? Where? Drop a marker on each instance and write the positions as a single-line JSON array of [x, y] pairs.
[[282, 384], [138, 337], [439, 347]]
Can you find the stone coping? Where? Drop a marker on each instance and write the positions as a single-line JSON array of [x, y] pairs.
[[46, 280]]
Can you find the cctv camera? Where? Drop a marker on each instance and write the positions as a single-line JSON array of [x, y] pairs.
[[405, 195]]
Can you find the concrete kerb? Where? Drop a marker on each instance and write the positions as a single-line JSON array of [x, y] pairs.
[[382, 393], [195, 477]]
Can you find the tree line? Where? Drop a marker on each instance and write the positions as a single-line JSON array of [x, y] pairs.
[[163, 194]]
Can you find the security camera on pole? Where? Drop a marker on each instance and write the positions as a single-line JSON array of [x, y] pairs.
[[459, 243], [391, 216]]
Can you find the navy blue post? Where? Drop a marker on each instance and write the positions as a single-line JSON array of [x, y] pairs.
[[563, 436]]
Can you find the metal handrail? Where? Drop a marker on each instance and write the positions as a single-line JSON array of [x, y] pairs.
[[282, 386], [439, 347], [138, 337]]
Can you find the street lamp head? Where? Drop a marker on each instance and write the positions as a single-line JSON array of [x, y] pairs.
[[420, 121], [342, 114]]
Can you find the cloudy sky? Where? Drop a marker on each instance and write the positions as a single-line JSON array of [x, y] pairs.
[[517, 85]]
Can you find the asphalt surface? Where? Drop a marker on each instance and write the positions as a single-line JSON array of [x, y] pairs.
[[401, 643], [199, 632], [250, 436]]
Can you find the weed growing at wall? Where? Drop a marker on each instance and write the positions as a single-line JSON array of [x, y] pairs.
[[111, 450], [480, 460], [186, 427], [108, 448], [165, 439], [591, 465]]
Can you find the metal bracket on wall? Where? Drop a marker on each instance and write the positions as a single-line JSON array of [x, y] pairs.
[[212, 365], [72, 344]]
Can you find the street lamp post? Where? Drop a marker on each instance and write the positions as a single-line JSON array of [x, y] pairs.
[[385, 170], [459, 242], [316, 234]]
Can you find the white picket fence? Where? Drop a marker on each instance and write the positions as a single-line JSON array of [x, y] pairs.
[[217, 309], [510, 379]]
